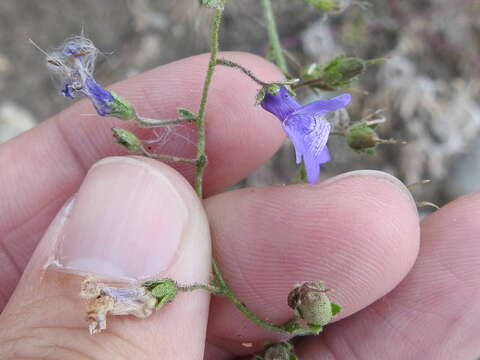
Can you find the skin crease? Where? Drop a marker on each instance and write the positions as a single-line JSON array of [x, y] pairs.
[[359, 232]]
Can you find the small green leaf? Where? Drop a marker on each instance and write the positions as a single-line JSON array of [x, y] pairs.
[[185, 114], [335, 308]]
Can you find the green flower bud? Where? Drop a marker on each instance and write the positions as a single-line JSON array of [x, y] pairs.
[[163, 290], [339, 72], [128, 140], [279, 351], [311, 303], [342, 70], [362, 138], [121, 108]]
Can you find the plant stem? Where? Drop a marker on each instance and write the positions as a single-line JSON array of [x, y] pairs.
[[251, 75], [152, 123], [241, 306], [203, 104], [168, 158], [318, 83], [212, 289], [274, 39], [243, 69], [221, 287]]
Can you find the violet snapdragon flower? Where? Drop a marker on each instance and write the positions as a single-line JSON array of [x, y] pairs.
[[73, 64], [306, 126]]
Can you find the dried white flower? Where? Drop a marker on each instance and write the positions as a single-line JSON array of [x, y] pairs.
[[104, 300]]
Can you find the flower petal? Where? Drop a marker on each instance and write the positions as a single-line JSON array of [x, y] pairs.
[[324, 156], [320, 107], [281, 104], [309, 137]]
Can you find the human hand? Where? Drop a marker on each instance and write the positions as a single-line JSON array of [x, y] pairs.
[[133, 217]]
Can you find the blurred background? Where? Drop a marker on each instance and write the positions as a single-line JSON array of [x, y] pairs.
[[429, 88]]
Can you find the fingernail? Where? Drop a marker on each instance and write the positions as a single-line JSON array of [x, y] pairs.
[[127, 222]]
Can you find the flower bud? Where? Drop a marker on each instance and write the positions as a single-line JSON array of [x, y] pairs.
[[362, 138], [342, 70], [339, 72], [121, 108], [279, 351], [128, 140], [163, 290], [311, 303]]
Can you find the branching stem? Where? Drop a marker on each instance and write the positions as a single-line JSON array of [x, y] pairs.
[[203, 103]]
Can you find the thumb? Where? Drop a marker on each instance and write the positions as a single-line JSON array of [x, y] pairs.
[[131, 219]]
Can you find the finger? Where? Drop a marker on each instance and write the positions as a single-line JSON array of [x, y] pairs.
[[45, 166], [433, 313], [131, 219], [358, 233]]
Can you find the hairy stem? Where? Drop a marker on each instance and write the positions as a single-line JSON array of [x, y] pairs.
[[273, 36], [249, 73], [212, 289], [241, 306], [221, 287], [153, 123], [203, 104], [168, 158], [252, 76]]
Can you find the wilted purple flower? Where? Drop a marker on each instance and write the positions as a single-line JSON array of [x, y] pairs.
[[306, 126], [73, 63]]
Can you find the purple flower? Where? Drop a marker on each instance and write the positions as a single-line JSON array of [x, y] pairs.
[[101, 98], [73, 64], [306, 126]]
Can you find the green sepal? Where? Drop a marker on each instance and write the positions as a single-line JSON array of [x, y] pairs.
[[270, 89], [362, 138], [368, 151], [121, 108], [187, 115], [335, 308], [315, 329], [127, 140], [292, 327], [279, 351], [164, 290], [342, 71], [260, 96]]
